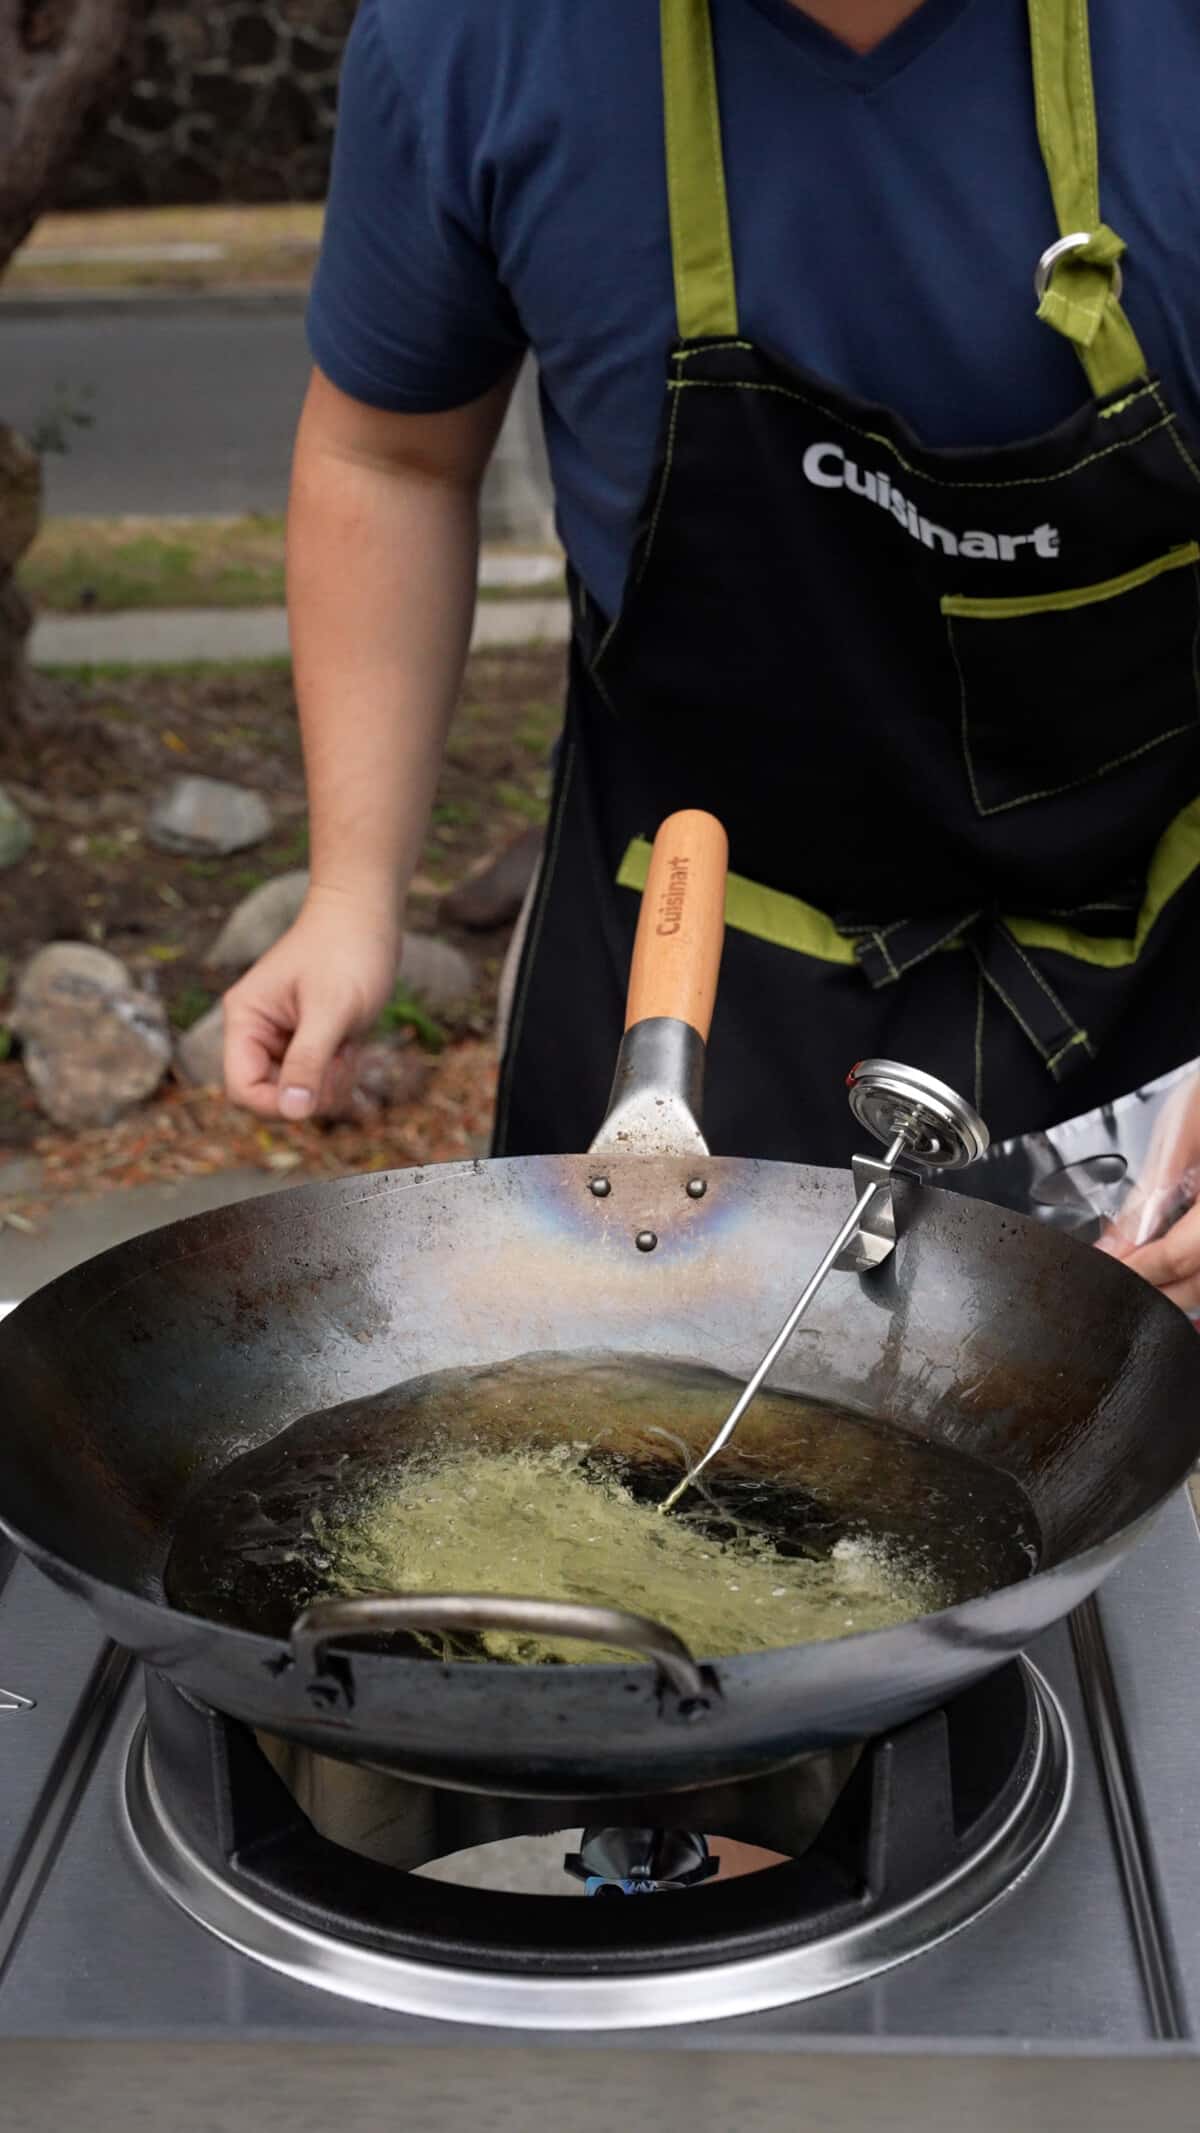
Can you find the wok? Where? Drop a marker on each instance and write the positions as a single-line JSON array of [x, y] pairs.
[[132, 1380]]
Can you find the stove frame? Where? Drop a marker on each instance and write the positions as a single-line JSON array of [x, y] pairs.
[[1072, 2006]]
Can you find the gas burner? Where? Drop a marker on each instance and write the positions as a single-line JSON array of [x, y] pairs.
[[889, 1849]]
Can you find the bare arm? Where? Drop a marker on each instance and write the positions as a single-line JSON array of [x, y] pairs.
[[382, 556]]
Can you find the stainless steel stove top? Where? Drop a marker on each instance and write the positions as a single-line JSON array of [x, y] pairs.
[[1073, 2004]]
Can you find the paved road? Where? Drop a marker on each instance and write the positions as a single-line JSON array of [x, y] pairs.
[[194, 408]]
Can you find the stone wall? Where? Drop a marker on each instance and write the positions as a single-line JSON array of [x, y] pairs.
[[234, 101]]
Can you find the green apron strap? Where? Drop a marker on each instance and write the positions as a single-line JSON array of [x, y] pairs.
[[1080, 299], [705, 293]]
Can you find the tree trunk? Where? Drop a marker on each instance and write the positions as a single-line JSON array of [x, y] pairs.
[[20, 511], [60, 60]]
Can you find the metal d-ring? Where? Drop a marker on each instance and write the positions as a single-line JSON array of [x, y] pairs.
[[329, 1622], [1064, 245]]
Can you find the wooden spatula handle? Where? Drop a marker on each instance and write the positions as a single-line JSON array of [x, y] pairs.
[[681, 931]]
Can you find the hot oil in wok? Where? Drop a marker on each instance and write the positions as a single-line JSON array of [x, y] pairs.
[[542, 1476]]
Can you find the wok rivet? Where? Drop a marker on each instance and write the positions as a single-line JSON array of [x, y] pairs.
[[697, 1187], [601, 1187], [645, 1240]]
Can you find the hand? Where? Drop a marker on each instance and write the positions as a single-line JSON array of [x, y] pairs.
[[293, 1022], [1167, 1258]]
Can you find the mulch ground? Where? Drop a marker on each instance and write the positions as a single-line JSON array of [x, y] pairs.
[[92, 875]]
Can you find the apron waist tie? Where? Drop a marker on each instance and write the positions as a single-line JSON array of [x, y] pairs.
[[884, 953]]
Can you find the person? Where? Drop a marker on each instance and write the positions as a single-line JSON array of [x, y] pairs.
[[868, 334]]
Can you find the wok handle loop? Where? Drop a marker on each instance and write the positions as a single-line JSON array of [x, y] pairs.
[[681, 926], [328, 1621]]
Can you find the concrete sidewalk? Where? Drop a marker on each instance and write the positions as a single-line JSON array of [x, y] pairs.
[[80, 1229], [186, 636]]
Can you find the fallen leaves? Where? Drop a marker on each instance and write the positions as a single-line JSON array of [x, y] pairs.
[[191, 1133]]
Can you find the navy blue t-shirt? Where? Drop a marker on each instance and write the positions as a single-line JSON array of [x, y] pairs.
[[499, 185]]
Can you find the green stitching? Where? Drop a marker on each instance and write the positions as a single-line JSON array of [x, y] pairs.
[[1118, 407], [668, 468], [992, 980], [1087, 104], [1098, 904], [668, 465], [1173, 425], [952, 934], [964, 723], [1050, 993], [1056, 1058], [684, 355], [1089, 777], [936, 481]]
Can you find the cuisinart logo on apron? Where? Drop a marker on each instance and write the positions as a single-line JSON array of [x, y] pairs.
[[827, 467]]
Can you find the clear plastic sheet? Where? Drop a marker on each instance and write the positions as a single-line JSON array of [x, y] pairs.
[[1129, 1169]]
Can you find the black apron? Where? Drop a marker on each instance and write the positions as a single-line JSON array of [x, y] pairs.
[[946, 703]]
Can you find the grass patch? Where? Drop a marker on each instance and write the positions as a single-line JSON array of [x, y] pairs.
[[538, 728], [189, 1006], [106, 849], [247, 879], [108, 566], [90, 673], [533, 807], [553, 589], [114, 566], [286, 853], [405, 1012]]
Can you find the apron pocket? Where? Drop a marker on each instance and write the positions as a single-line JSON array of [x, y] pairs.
[[1060, 688]]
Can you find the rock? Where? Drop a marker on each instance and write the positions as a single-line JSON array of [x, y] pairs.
[[390, 1075], [436, 974], [200, 1052], [93, 1045], [494, 896], [207, 817], [259, 921], [16, 831]]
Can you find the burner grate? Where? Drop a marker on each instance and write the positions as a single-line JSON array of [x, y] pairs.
[[935, 1823]]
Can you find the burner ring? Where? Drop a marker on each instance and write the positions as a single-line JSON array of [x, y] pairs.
[[645, 2000]]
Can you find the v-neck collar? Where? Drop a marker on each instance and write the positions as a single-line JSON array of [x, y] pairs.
[[863, 70]]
